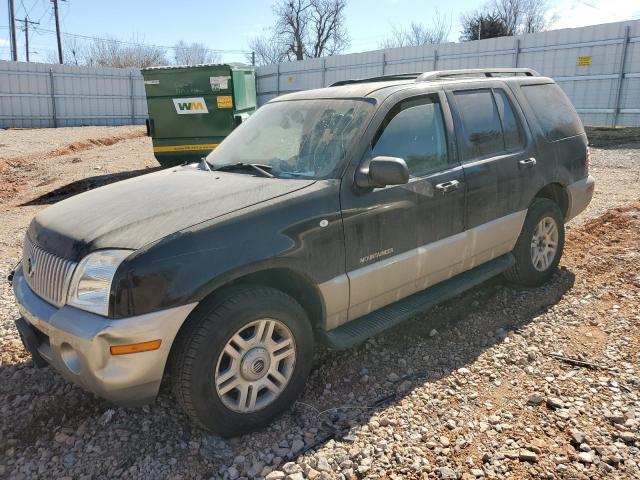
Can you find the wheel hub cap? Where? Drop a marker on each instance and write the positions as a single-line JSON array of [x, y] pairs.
[[255, 364], [544, 244]]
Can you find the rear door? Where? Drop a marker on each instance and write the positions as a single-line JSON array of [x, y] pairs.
[[498, 154], [400, 239]]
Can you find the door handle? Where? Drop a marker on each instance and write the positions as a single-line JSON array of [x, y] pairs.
[[528, 163], [447, 187]]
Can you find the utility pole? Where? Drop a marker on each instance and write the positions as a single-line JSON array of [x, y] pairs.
[[253, 58], [12, 31], [25, 29], [55, 11]]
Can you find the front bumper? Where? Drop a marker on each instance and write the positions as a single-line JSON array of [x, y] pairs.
[[580, 194], [77, 344]]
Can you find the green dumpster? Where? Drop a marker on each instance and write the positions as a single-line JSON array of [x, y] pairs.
[[193, 108]]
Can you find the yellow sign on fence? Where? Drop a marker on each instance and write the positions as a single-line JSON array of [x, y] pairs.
[[584, 61]]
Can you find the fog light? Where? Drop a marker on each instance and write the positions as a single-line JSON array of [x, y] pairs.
[[70, 358], [135, 347]]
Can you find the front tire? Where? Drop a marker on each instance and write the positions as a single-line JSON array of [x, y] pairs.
[[539, 246], [242, 359]]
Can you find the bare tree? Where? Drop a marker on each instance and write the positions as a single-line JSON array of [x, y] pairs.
[[328, 33], [113, 53], [419, 34], [303, 29], [267, 50], [75, 52], [522, 16], [193, 53]]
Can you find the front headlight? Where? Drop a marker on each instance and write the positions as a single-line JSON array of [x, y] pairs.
[[91, 282]]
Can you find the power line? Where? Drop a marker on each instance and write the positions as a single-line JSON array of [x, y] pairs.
[[135, 44]]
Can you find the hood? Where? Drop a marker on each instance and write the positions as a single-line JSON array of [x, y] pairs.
[[135, 212]]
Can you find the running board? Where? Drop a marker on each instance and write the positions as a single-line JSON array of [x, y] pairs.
[[362, 328]]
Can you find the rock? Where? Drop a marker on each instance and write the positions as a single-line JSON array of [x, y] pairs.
[[275, 475], [444, 441], [554, 402], [404, 386], [291, 467], [433, 333], [295, 476], [494, 419], [296, 446], [386, 421], [233, 473], [393, 377], [627, 437], [527, 455], [447, 473], [476, 472], [313, 474], [577, 437], [586, 457], [535, 399], [323, 465]]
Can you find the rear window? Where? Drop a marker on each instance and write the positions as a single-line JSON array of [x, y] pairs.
[[554, 111]]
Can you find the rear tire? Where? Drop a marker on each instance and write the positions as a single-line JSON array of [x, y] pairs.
[[242, 359], [539, 246]]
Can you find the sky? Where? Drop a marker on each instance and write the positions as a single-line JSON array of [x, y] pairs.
[[228, 25]]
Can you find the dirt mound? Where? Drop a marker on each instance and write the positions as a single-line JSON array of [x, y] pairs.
[[604, 137], [92, 143]]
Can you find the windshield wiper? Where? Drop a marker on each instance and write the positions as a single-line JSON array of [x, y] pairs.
[[262, 169]]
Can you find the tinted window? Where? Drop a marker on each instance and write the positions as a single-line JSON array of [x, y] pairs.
[[480, 122], [510, 125], [295, 139], [554, 111], [415, 132]]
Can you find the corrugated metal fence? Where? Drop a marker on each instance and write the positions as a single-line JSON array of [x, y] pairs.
[[597, 66], [39, 95]]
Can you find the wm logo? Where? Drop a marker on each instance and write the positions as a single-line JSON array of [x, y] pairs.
[[188, 106]]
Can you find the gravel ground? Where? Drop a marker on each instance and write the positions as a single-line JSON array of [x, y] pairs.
[[468, 390]]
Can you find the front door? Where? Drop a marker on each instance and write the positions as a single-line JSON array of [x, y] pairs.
[[401, 239]]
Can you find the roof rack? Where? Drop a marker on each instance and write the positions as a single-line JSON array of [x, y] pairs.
[[440, 75], [487, 72], [383, 78]]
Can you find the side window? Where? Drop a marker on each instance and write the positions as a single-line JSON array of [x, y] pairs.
[[513, 137], [414, 131], [480, 122], [554, 111]]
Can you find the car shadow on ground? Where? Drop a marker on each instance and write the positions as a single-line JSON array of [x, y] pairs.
[[425, 349], [336, 400], [84, 185]]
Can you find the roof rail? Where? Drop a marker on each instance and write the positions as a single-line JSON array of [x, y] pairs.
[[487, 72], [439, 75], [383, 78]]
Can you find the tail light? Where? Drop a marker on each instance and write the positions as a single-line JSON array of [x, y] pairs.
[[587, 161]]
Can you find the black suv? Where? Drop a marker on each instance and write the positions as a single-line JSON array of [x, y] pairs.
[[329, 216]]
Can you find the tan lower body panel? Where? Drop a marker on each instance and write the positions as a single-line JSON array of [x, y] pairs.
[[386, 281]]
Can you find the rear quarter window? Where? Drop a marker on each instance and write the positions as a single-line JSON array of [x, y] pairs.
[[554, 111]]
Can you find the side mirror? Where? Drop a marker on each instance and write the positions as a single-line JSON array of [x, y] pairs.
[[383, 171]]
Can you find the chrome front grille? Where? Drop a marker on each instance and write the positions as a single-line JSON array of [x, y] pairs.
[[48, 275]]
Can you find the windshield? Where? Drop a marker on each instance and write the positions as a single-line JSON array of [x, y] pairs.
[[295, 139]]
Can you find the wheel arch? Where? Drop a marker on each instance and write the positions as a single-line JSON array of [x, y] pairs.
[[556, 193], [280, 277]]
